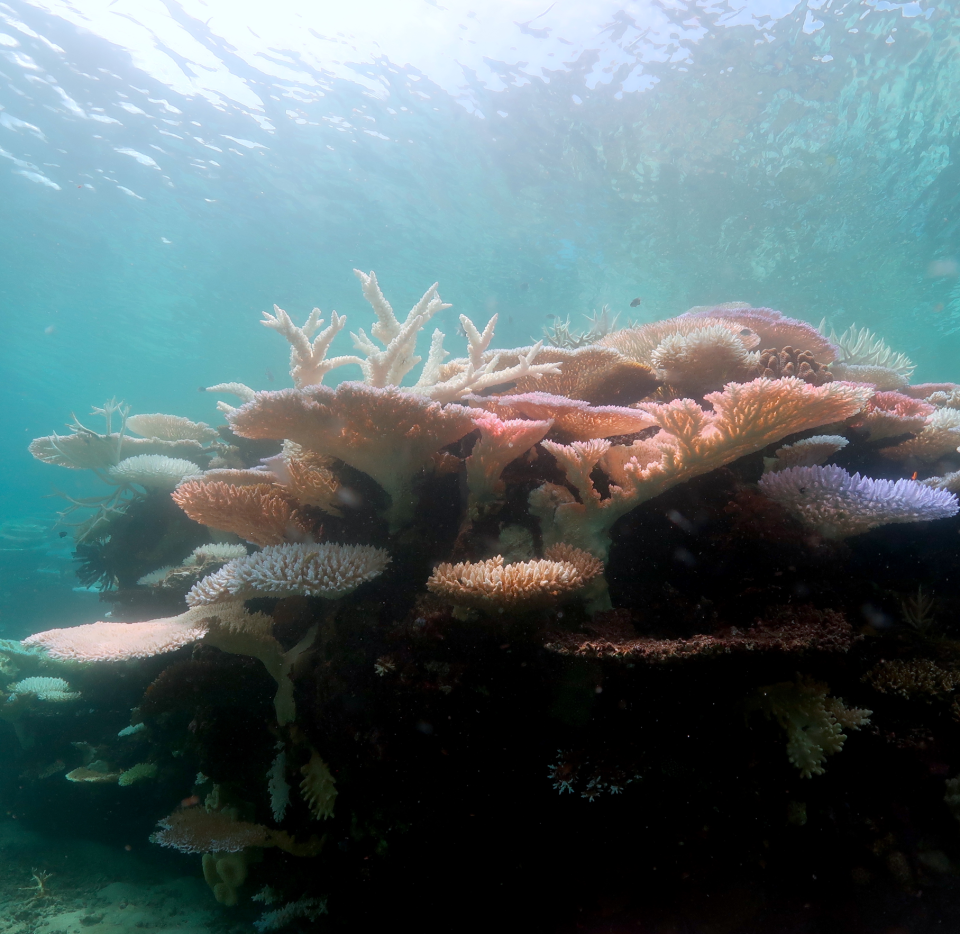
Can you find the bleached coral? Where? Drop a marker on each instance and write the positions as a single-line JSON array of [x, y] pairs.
[[390, 434], [214, 551], [940, 435], [889, 414], [494, 585], [838, 504], [108, 642], [170, 428], [153, 471], [500, 443], [805, 453], [387, 363], [50, 690], [704, 358], [882, 378], [861, 347], [814, 722], [153, 578], [326, 570]]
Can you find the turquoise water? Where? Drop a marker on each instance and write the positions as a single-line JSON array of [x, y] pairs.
[[169, 172]]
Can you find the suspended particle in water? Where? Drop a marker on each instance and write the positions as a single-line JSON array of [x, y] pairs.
[[635, 302]]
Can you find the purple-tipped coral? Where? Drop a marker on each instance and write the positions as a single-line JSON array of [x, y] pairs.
[[838, 504]]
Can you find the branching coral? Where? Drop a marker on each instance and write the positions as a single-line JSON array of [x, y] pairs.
[[838, 504], [326, 570], [390, 434], [692, 441], [493, 585], [814, 722], [387, 365], [306, 477], [257, 513]]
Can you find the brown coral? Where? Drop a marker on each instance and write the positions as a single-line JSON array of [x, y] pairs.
[[791, 362], [792, 630], [197, 830], [915, 677], [257, 513]]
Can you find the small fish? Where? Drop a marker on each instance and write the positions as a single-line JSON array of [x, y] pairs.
[[550, 317], [635, 302], [190, 802], [270, 375], [914, 477], [201, 388]]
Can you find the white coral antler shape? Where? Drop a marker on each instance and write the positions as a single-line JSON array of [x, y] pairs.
[[308, 354]]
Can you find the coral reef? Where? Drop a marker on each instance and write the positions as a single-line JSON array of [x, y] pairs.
[[402, 640]]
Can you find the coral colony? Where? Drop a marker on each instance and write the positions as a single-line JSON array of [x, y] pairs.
[[637, 614]]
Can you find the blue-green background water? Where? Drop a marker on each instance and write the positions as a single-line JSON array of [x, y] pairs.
[[157, 193]]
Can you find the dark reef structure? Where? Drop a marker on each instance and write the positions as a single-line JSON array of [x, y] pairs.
[[490, 651]]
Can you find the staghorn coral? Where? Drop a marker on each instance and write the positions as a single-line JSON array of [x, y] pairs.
[[889, 414], [111, 642], [308, 350], [50, 690], [805, 453], [257, 513], [327, 570], [775, 364], [318, 787], [940, 435], [170, 428], [773, 328], [912, 678], [390, 434], [494, 586], [814, 722], [573, 420], [837, 504], [153, 471], [500, 443], [692, 441]]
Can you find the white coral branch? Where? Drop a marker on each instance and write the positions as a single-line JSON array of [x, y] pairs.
[[308, 354], [243, 392]]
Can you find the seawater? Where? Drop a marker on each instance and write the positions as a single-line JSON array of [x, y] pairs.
[[167, 173]]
